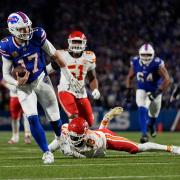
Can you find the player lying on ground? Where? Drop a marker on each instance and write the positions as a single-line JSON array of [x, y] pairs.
[[79, 141], [16, 113]]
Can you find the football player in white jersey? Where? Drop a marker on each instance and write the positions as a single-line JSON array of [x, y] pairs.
[[81, 63], [16, 113], [78, 140]]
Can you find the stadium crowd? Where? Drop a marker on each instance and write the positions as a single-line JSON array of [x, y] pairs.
[[115, 30]]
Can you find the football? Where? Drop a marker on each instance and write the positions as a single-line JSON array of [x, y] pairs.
[[20, 70]]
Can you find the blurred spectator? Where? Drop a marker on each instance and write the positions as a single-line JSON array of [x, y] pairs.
[[115, 30]]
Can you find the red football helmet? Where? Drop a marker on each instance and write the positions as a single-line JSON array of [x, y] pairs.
[[77, 42], [77, 129]]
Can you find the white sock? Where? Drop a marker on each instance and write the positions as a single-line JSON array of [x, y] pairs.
[[104, 124], [15, 124], [27, 131], [149, 146]]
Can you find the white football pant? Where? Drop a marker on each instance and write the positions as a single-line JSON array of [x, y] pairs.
[[153, 107], [40, 90]]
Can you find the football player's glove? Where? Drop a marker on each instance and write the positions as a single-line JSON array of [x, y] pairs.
[[153, 95], [96, 94]]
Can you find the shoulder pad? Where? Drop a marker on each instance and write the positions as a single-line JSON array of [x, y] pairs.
[[90, 56], [4, 40]]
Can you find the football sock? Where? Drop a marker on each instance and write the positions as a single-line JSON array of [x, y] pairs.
[[56, 126], [143, 119], [15, 124], [152, 121], [149, 146], [38, 132], [104, 124], [27, 131]]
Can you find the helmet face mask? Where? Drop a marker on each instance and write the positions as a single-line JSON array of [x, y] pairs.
[[77, 42], [146, 54], [77, 130], [20, 26]]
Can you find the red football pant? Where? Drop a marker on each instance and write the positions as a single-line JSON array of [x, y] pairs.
[[15, 108], [75, 106], [115, 142]]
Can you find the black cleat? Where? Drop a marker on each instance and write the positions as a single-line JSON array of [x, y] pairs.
[[144, 139], [152, 130]]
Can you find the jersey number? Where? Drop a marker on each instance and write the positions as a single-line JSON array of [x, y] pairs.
[[77, 71], [140, 77], [32, 57]]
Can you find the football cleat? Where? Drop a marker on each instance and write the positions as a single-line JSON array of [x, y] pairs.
[[175, 150], [11, 141], [54, 145], [144, 139], [27, 140], [48, 157], [112, 113]]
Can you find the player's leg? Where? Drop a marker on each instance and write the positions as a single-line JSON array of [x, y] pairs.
[[150, 146], [85, 110], [15, 111], [143, 113], [68, 103], [27, 131], [28, 102], [154, 109], [116, 142], [47, 99], [110, 115]]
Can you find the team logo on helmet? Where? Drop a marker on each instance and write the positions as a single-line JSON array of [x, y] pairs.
[[13, 19]]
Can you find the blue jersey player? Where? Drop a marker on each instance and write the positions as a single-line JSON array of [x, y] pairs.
[[27, 47], [152, 80]]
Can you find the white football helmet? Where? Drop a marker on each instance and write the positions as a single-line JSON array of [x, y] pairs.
[[77, 42], [16, 22], [146, 54]]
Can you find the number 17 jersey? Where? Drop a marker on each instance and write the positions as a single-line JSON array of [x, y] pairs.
[[29, 55], [147, 76]]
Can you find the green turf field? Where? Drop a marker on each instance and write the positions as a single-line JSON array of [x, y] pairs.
[[22, 161]]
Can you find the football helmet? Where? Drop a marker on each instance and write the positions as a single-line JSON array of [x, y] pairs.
[[146, 54], [19, 25], [77, 42], [77, 129]]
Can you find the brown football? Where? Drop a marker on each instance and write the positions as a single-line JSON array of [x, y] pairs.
[[20, 70]]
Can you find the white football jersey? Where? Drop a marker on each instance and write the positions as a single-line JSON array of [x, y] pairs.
[[79, 68], [94, 146]]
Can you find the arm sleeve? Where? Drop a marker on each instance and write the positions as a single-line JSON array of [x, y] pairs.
[[49, 48], [7, 66]]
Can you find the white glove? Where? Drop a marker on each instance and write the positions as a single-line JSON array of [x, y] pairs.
[[74, 83], [96, 94]]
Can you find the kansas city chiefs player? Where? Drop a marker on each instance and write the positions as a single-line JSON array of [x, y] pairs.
[[81, 63], [78, 140]]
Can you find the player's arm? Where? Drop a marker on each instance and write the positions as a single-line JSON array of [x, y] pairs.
[[7, 68], [7, 85], [93, 82], [56, 55], [165, 76]]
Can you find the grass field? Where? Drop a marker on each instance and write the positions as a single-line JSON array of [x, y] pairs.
[[22, 161]]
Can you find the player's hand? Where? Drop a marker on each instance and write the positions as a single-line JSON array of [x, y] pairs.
[[22, 80], [96, 94], [153, 95], [75, 84], [128, 94]]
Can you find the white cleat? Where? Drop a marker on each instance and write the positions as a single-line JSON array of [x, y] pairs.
[[48, 158], [112, 113], [54, 145], [176, 150]]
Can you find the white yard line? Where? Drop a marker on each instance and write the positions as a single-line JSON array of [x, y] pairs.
[[90, 164], [109, 177]]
